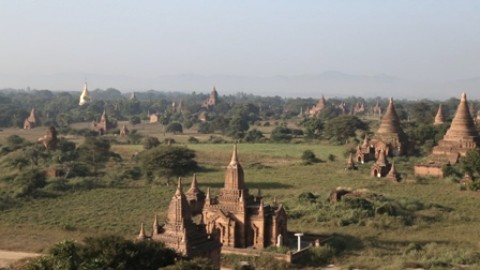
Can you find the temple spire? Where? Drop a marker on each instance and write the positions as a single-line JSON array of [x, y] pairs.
[[208, 194], [141, 234], [234, 173], [439, 119], [179, 191], [234, 159], [194, 185]]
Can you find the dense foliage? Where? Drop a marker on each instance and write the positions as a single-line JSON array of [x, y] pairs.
[[108, 252]]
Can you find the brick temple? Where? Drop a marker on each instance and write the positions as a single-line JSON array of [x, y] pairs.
[[460, 137]]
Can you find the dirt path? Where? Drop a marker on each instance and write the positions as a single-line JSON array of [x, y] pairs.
[[9, 257]]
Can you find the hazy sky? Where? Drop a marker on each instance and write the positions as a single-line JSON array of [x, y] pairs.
[[428, 41]]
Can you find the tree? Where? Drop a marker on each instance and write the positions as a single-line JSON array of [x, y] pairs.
[[135, 120], [470, 164], [106, 252], [95, 152], [205, 128], [134, 137], [175, 127], [254, 135], [28, 182], [281, 134], [313, 127], [167, 161], [150, 142], [237, 127], [308, 157], [341, 128]]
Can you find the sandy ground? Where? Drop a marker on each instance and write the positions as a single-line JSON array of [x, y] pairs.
[[9, 257]]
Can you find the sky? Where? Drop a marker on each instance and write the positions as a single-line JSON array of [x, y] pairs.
[[413, 49]]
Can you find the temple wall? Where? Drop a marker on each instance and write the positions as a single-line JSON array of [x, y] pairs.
[[428, 170]]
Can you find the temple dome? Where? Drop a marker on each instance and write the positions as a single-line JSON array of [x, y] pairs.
[[390, 123]]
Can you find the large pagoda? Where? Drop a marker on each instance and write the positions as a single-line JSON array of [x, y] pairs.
[[460, 137]]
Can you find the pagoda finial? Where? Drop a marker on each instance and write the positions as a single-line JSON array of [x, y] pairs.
[[241, 196], [464, 97]]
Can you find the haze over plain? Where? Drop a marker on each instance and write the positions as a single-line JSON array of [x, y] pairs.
[[406, 49]]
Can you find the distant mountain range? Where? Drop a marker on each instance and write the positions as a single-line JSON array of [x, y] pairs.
[[329, 83]]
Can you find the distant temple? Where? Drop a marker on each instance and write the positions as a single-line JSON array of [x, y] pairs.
[[317, 108], [124, 131], [233, 219], [359, 108], [439, 119], [103, 125], [460, 137], [389, 138], [377, 110], [49, 140], [154, 117], [85, 96], [212, 100], [31, 121]]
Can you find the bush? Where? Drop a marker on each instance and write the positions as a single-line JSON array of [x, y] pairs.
[[175, 128], [192, 139], [27, 183], [308, 157], [150, 142]]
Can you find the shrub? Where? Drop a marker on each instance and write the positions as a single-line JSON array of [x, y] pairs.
[[192, 139], [308, 157], [175, 128], [150, 142]]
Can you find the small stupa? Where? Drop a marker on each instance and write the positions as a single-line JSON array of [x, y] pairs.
[[381, 166], [350, 163], [393, 174]]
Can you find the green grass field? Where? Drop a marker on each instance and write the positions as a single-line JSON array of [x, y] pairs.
[[276, 169]]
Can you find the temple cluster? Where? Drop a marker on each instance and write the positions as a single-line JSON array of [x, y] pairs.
[[233, 219]]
